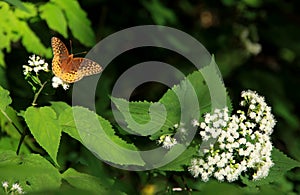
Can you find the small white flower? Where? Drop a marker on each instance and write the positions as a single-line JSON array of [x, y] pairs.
[[27, 69], [56, 82], [36, 63], [17, 187], [167, 141], [5, 184], [195, 123]]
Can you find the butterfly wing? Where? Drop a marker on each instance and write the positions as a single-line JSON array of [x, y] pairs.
[[89, 67], [59, 48], [60, 57], [85, 67]]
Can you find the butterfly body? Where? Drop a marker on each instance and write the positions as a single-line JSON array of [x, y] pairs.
[[68, 68]]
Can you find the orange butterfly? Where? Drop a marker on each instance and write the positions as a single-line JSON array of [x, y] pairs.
[[70, 69]]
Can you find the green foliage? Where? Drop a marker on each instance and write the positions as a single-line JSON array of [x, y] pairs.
[[59, 16], [88, 183], [32, 171], [142, 118], [98, 136], [76, 19], [54, 17], [52, 158], [160, 13], [19, 29], [44, 126], [5, 99]]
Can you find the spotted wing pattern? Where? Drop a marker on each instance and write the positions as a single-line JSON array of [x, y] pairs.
[[70, 69]]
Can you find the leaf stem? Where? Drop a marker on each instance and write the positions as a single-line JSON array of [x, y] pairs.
[[21, 140], [9, 119]]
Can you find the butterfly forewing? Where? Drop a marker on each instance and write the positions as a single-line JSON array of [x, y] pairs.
[[59, 48], [70, 69]]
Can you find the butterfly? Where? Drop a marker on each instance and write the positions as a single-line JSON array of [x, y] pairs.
[[68, 68]]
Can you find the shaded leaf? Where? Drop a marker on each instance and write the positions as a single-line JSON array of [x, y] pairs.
[[32, 172], [87, 182], [5, 99]]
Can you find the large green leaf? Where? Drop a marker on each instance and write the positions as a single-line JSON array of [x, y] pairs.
[[77, 21], [54, 17], [59, 107], [143, 118], [98, 136], [89, 183], [45, 128], [32, 172], [66, 121], [181, 161]]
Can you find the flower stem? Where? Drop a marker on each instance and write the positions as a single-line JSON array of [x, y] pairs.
[[38, 93]]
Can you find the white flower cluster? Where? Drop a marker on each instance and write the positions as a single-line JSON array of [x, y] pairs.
[[56, 82], [36, 63], [167, 141], [15, 188], [242, 142]]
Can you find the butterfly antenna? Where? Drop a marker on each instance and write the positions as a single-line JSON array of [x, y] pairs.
[[71, 46], [84, 52]]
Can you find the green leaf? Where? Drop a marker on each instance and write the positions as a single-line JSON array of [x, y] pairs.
[[77, 21], [32, 172], [5, 99], [54, 17], [18, 4], [87, 182], [7, 143], [160, 14], [66, 121], [99, 137], [282, 164], [181, 100], [180, 162], [59, 107], [31, 11], [143, 118], [44, 126], [32, 42]]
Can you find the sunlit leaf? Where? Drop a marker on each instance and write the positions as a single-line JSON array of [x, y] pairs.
[[54, 17], [78, 22], [44, 126]]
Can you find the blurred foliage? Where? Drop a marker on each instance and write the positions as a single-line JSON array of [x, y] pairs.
[[255, 42]]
